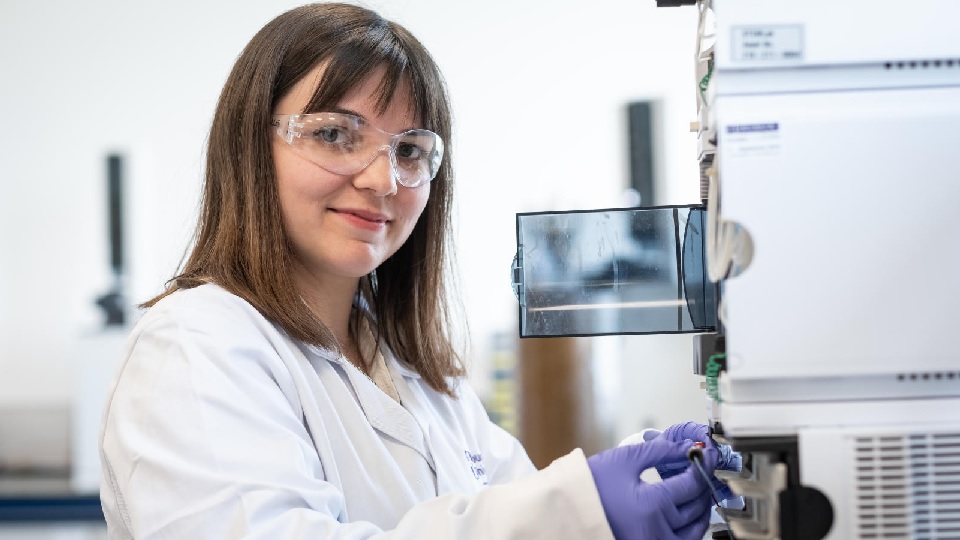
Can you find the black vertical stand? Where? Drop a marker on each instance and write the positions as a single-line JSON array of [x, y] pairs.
[[112, 302], [640, 116]]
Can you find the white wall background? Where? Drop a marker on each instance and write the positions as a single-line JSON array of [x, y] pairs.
[[539, 89]]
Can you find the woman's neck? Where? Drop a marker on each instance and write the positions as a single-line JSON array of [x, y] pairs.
[[331, 300]]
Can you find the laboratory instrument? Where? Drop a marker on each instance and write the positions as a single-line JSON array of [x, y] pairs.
[[826, 143]]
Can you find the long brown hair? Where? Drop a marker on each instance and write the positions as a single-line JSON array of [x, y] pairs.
[[240, 243]]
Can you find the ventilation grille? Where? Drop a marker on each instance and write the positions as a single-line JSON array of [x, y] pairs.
[[925, 376], [936, 63], [908, 486]]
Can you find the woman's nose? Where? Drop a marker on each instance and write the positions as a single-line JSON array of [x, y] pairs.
[[378, 175]]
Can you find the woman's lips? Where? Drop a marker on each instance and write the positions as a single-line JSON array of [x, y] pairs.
[[364, 219]]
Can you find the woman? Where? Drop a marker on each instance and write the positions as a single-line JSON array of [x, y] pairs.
[[296, 378]]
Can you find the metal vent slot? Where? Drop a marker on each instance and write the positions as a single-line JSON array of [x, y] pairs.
[[935, 63], [929, 376], [908, 486]]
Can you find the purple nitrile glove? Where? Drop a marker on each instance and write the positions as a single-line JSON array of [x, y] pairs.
[[692, 431], [676, 509], [687, 431]]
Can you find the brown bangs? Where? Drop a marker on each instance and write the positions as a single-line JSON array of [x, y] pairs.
[[378, 47]]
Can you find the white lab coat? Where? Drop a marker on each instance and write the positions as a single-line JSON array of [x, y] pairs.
[[219, 425]]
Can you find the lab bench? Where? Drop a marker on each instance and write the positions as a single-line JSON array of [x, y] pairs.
[[45, 508]]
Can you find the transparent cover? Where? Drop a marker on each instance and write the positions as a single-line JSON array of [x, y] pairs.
[[613, 271]]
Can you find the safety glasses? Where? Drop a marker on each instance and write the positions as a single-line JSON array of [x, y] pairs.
[[346, 144]]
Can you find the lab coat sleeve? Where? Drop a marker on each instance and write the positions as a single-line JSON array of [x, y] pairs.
[[203, 438], [558, 502]]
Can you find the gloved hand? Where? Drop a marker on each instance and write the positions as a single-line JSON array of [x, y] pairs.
[[688, 431], [677, 508], [727, 460]]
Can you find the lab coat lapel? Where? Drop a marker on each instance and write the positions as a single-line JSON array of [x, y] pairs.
[[386, 415], [450, 479], [454, 454]]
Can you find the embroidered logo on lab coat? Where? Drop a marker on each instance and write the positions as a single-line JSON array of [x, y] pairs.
[[475, 461]]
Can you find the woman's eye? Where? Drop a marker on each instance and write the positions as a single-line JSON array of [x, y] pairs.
[[409, 151], [332, 135]]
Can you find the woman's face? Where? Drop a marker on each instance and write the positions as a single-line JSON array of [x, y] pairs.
[[341, 226]]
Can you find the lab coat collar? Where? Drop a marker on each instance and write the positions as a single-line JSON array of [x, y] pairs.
[[402, 368], [383, 413]]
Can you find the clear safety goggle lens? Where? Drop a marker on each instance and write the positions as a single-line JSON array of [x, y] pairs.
[[346, 144]]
